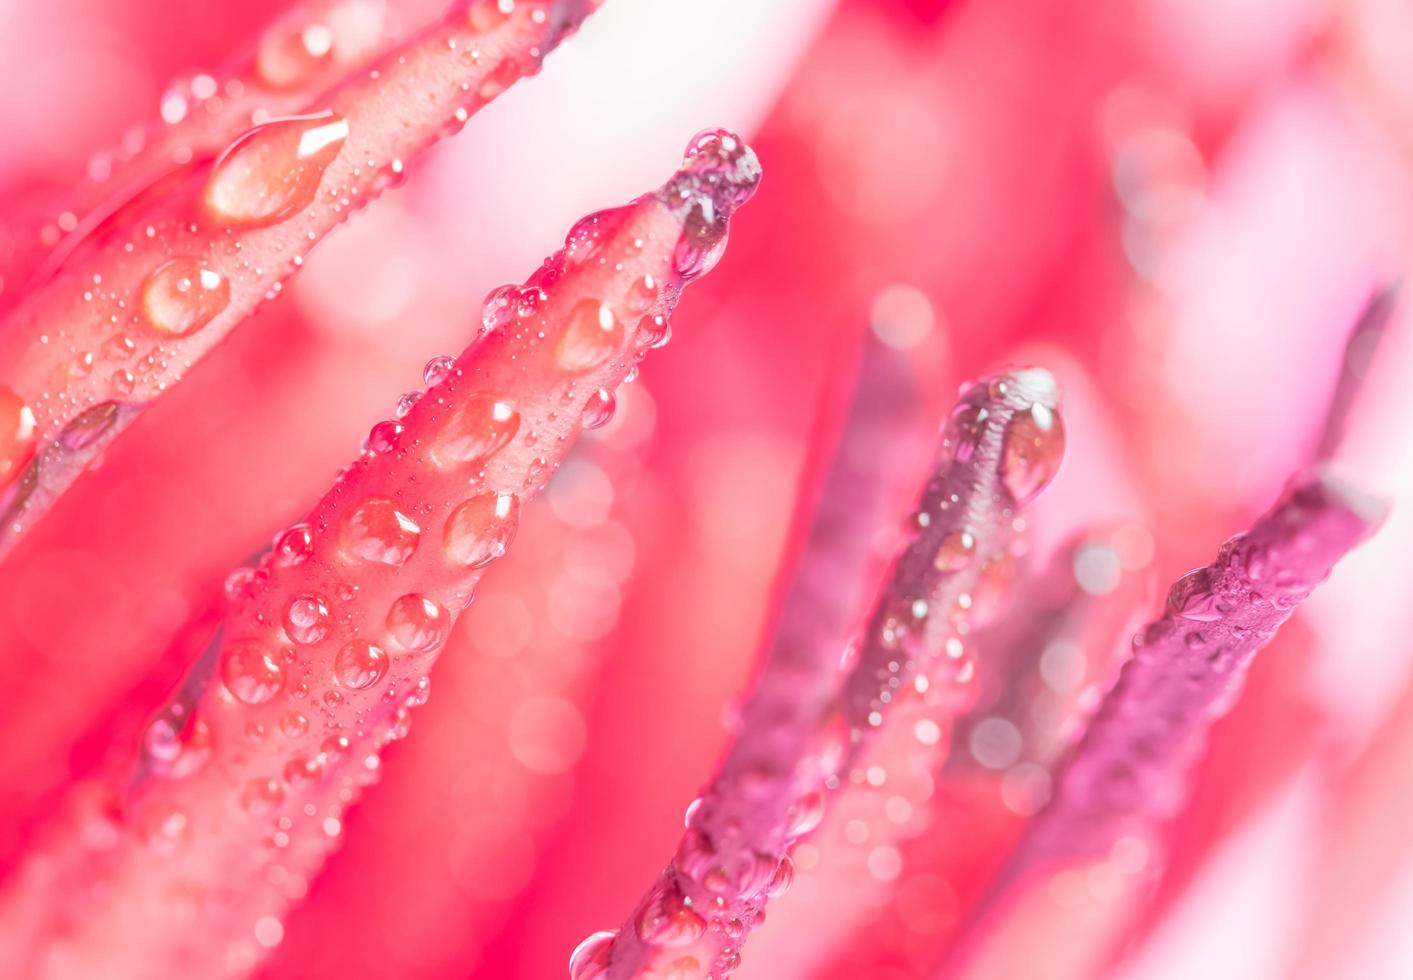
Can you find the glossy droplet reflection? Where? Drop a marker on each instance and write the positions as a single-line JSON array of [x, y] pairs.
[[252, 671], [1034, 445], [18, 440], [591, 336], [479, 530], [290, 58], [417, 624], [479, 427], [306, 619], [589, 961], [376, 531], [360, 665], [598, 410], [273, 171], [667, 920], [181, 296]]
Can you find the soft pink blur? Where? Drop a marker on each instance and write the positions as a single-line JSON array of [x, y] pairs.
[[1179, 207]]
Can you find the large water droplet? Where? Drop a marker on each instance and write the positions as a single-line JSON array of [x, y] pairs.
[[589, 961], [17, 435], [417, 624], [376, 531], [667, 920], [479, 427], [499, 308], [1034, 445], [307, 619], [1191, 597], [591, 336], [438, 369], [479, 530], [294, 546], [273, 171], [181, 296], [360, 665], [252, 671]]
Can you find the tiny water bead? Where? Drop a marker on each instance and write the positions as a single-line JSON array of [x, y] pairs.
[[591, 336], [487, 15], [480, 529], [956, 551], [360, 665], [182, 295], [252, 672], [376, 531], [478, 428], [598, 410], [306, 619], [18, 440], [1034, 445], [417, 624], [274, 170]]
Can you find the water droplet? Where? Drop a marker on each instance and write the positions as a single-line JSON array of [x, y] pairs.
[[598, 410], [591, 336], [406, 402], [181, 296], [589, 961], [487, 15], [654, 332], [294, 724], [479, 530], [587, 237], [1191, 597], [783, 878], [1031, 454], [417, 624], [122, 382], [667, 920], [294, 546], [806, 814], [642, 295], [438, 369], [262, 795], [273, 171], [307, 619], [956, 551], [479, 427], [529, 300], [499, 308], [252, 672], [376, 531], [18, 441], [175, 745], [360, 665], [301, 770], [88, 427], [288, 59]]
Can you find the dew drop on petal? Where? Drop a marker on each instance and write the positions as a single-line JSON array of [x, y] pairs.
[[499, 308], [591, 336], [476, 429], [18, 440], [262, 795], [487, 15], [181, 296], [598, 411], [667, 920], [1191, 597], [307, 619], [438, 369], [955, 551], [274, 170], [806, 814], [376, 531], [654, 332], [589, 961], [252, 672], [1034, 445], [480, 529], [416, 624], [294, 546], [360, 665]]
